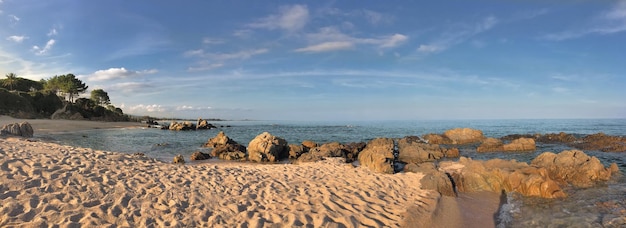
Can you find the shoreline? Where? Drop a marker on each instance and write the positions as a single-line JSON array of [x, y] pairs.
[[50, 126]]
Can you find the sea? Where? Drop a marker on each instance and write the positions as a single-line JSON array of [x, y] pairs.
[[582, 208]]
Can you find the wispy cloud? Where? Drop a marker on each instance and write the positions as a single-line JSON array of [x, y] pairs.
[[17, 39], [457, 36], [204, 66], [327, 46], [332, 39], [44, 50], [208, 61], [53, 32], [605, 23], [289, 18], [208, 40], [13, 18], [116, 73]]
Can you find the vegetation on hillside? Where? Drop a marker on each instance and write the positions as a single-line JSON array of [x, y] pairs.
[[56, 97]]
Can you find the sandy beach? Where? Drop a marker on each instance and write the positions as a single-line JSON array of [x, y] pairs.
[[46, 126], [44, 184]]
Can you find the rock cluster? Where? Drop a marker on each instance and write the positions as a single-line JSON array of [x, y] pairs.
[[599, 141], [186, 126], [413, 150], [225, 148], [23, 129], [574, 167]]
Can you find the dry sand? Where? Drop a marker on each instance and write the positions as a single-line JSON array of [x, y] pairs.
[[44, 184]]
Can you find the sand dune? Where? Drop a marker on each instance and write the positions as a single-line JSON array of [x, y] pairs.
[[43, 184]]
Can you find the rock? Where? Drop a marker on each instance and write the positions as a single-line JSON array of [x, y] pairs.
[[228, 148], [179, 159], [602, 142], [203, 125], [378, 155], [452, 153], [23, 129], [184, 126], [464, 135], [295, 151], [267, 148], [574, 167], [489, 145], [199, 156], [561, 137], [308, 144], [433, 179], [219, 140], [333, 149], [456, 136], [233, 156], [308, 157], [521, 144], [517, 136], [413, 151], [351, 151]]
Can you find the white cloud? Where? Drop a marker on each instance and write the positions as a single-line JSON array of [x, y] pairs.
[[14, 18], [43, 51], [242, 33], [205, 67], [608, 22], [457, 36], [191, 108], [327, 46], [117, 73], [208, 40], [141, 108], [393, 41], [53, 32], [17, 39], [289, 18], [245, 54], [374, 18]]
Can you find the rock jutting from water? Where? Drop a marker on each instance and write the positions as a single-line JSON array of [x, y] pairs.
[[456, 136], [225, 148], [267, 148], [520, 144]]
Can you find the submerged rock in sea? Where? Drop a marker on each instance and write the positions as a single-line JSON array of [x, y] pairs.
[[23, 129], [561, 137], [520, 144], [378, 155], [602, 142], [179, 159], [267, 148], [456, 136]]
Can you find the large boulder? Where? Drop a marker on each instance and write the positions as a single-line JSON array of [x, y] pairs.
[[520, 144], [267, 148], [333, 149], [23, 129], [574, 167], [295, 151], [308, 144], [199, 156], [228, 148], [411, 151], [378, 155], [351, 151]]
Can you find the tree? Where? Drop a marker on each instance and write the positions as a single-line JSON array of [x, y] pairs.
[[66, 85], [10, 81], [100, 97]]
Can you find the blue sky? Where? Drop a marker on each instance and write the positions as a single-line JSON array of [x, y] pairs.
[[330, 60]]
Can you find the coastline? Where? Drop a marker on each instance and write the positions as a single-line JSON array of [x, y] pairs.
[[47, 126]]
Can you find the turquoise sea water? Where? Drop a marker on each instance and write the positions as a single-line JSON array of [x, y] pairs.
[[578, 210]]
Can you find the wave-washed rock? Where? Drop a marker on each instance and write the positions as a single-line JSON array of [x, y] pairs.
[[23, 129], [411, 149], [456, 136], [226, 148], [520, 144]]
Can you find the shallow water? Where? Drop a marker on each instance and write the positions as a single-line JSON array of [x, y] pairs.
[[578, 210]]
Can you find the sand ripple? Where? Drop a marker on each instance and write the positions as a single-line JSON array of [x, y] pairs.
[[44, 184]]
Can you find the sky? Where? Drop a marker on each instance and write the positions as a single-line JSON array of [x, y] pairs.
[[329, 60]]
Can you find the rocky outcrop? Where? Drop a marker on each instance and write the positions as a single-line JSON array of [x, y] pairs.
[[499, 175], [602, 142], [233, 156], [415, 151], [543, 177], [456, 136], [295, 151], [226, 148], [23, 129], [308, 144], [267, 148], [574, 167], [179, 159], [66, 113], [333, 149], [520, 144], [199, 156], [351, 151], [378, 155]]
